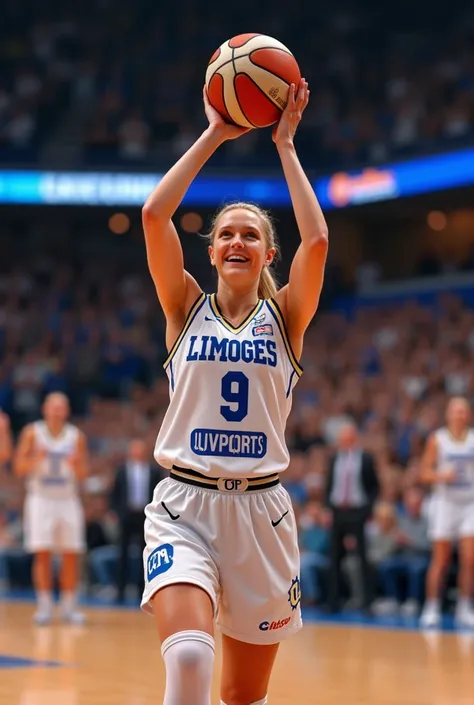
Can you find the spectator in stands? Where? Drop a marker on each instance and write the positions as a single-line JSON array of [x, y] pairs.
[[102, 545], [314, 549], [351, 489], [133, 489], [381, 545], [411, 560]]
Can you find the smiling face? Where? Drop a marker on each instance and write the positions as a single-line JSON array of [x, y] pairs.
[[241, 247]]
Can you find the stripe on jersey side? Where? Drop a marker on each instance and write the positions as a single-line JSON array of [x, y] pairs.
[[288, 391], [197, 305], [171, 376], [227, 325], [277, 315]]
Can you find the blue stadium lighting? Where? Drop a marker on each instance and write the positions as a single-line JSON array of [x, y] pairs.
[[398, 180]]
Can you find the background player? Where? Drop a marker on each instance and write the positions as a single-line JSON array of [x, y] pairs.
[[52, 454], [208, 548], [6, 445], [448, 465]]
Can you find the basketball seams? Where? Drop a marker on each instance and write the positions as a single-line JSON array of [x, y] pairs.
[[223, 90], [238, 99]]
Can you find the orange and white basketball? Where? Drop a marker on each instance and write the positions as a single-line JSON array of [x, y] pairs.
[[248, 79]]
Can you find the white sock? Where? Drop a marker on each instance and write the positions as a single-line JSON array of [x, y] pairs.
[[68, 602], [45, 601], [260, 702], [189, 660], [464, 604], [433, 605]]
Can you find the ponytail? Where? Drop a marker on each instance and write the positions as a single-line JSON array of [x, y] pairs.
[[267, 287]]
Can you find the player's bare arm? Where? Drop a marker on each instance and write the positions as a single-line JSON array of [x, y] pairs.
[[299, 299], [27, 456]]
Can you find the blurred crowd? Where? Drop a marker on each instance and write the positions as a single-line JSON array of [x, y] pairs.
[[121, 83], [95, 332]]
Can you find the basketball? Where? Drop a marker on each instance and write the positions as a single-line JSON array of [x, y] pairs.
[[248, 78]]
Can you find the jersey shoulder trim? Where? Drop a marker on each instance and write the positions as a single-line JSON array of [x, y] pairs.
[[278, 316], [197, 305]]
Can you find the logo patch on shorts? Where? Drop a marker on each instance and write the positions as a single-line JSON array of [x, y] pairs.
[[294, 593], [159, 561], [270, 626]]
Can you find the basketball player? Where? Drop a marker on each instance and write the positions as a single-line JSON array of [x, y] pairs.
[[448, 466], [52, 454], [221, 533], [6, 445]]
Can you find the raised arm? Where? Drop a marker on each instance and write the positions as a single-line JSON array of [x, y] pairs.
[[300, 297], [176, 288]]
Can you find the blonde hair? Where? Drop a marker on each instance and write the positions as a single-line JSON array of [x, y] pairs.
[[267, 285]]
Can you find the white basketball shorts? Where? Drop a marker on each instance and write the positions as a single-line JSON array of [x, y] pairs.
[[450, 520], [240, 547], [53, 524]]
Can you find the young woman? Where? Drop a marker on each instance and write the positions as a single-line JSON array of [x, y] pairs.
[[448, 466], [220, 532], [52, 456]]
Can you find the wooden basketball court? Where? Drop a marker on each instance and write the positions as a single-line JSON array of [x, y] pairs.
[[115, 660]]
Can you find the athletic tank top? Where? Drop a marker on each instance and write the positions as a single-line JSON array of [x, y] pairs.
[[457, 455], [230, 393], [53, 477]]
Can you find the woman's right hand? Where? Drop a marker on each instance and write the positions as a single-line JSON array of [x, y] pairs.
[[218, 125]]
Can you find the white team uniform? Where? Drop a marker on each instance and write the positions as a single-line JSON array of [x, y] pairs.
[[451, 509], [221, 520], [53, 514]]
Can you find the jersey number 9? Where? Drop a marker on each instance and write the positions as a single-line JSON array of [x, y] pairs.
[[235, 390]]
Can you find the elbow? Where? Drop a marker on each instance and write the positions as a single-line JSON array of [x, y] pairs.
[[149, 212], [153, 213], [318, 244]]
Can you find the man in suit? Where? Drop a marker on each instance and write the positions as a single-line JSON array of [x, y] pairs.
[[351, 489], [133, 489]]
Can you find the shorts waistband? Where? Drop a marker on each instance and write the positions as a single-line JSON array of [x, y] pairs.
[[224, 484]]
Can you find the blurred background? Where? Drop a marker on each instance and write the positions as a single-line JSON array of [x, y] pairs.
[[96, 102]]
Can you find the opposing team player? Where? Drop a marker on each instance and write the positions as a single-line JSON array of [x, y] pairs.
[[220, 533], [448, 466], [52, 454]]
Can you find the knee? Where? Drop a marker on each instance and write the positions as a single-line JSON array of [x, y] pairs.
[[189, 657], [188, 653]]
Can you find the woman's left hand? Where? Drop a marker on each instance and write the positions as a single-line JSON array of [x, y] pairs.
[[298, 98]]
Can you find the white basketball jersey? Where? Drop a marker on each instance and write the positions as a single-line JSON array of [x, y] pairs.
[[230, 393], [457, 455], [53, 477]]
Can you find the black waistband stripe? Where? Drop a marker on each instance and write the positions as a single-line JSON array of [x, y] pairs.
[[224, 484]]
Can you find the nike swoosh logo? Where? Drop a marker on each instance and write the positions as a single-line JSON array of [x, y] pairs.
[[206, 318], [171, 516], [275, 523]]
